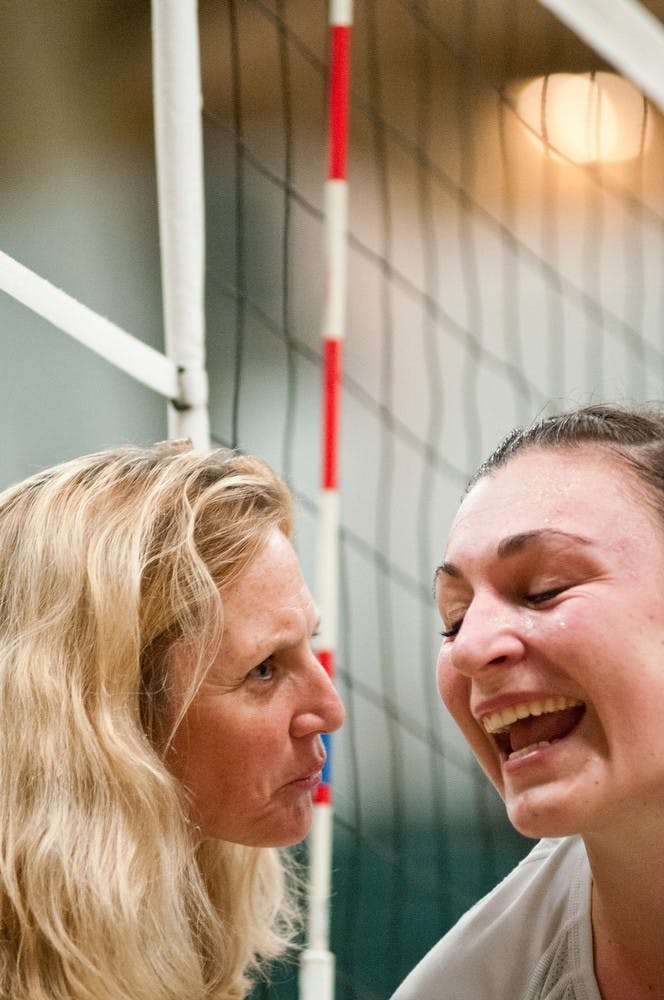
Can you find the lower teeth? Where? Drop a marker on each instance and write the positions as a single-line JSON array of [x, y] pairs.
[[529, 749]]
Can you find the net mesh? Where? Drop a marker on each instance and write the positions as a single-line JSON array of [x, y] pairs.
[[492, 277]]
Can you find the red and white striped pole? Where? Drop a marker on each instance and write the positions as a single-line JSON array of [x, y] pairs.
[[317, 965]]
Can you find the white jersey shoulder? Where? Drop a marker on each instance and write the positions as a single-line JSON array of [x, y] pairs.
[[530, 938]]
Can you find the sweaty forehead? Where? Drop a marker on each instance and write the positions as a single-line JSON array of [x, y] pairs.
[[583, 492]]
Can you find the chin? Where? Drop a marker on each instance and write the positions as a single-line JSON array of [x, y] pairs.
[[282, 827], [291, 831], [540, 819], [295, 833], [288, 840], [287, 837]]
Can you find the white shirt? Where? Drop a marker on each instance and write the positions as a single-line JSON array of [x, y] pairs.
[[529, 939]]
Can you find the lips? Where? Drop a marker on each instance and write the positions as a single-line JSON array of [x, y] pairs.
[[527, 726], [312, 774], [308, 782]]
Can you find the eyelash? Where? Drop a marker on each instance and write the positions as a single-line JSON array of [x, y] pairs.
[[451, 632], [536, 599], [544, 595]]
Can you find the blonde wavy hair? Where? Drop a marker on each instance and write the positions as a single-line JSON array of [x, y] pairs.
[[107, 562]]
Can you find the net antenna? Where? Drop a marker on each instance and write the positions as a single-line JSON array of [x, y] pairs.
[[625, 33], [317, 961], [180, 374]]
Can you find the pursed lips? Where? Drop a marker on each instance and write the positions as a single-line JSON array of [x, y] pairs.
[[312, 770]]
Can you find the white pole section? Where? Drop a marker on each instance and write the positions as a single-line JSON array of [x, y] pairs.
[[625, 33], [133, 356], [179, 154]]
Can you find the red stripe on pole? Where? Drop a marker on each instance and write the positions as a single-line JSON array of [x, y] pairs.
[[326, 658], [339, 77], [323, 795], [331, 389]]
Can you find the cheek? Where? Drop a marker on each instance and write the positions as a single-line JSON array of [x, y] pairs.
[[454, 689], [208, 745], [453, 686]]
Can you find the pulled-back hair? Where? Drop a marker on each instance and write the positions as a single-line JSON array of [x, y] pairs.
[[106, 562], [634, 437]]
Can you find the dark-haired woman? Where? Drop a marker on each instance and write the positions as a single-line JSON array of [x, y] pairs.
[[551, 593]]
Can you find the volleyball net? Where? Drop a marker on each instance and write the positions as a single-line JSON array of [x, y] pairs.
[[498, 267]]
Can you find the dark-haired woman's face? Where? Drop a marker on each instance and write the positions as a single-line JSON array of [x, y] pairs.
[[552, 595], [248, 752]]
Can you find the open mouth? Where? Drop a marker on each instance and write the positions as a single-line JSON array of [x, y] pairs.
[[533, 725]]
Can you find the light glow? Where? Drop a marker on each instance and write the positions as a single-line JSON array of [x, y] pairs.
[[586, 117]]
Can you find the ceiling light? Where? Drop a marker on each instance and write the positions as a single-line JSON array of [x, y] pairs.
[[586, 117]]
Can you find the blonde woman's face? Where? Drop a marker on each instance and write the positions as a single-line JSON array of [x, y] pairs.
[[249, 752]]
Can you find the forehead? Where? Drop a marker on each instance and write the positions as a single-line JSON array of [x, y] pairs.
[[269, 599], [584, 491]]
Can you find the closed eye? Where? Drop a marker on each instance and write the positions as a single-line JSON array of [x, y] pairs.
[[452, 630], [544, 595]]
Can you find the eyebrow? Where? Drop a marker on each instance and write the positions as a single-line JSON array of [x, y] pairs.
[[516, 543]]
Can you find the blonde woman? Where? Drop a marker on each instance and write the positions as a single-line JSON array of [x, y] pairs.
[[160, 722]]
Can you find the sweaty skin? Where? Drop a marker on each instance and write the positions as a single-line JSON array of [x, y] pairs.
[[552, 587]]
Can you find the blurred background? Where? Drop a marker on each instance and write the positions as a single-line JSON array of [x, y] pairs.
[[506, 257]]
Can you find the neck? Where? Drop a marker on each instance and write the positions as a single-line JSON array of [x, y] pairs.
[[628, 913]]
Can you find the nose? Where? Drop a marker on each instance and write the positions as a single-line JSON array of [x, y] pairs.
[[490, 635], [320, 709]]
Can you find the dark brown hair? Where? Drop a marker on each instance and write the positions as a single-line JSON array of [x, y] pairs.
[[634, 437]]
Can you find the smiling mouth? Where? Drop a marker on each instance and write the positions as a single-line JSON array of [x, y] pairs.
[[533, 725]]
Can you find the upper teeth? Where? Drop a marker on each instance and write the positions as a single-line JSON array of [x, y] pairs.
[[499, 721]]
